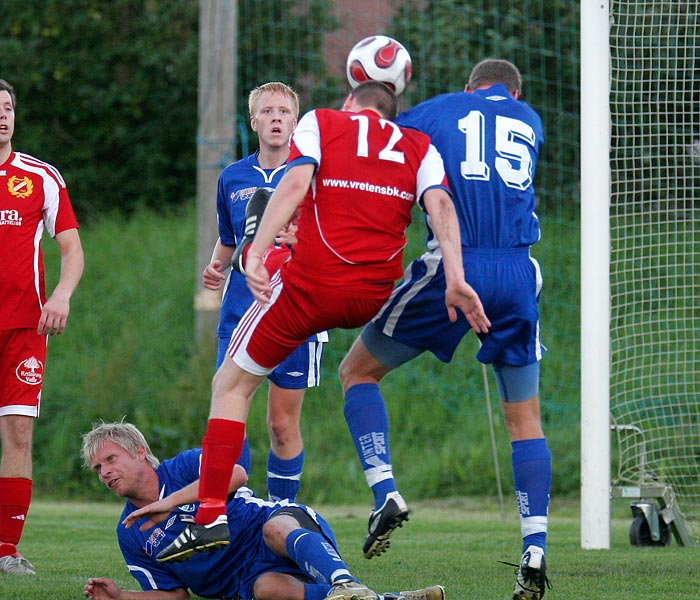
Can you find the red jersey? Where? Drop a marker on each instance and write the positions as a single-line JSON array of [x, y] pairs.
[[33, 197], [352, 222]]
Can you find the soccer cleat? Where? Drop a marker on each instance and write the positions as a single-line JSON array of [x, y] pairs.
[[531, 575], [16, 564], [196, 538], [350, 590], [382, 523], [434, 592], [253, 215]]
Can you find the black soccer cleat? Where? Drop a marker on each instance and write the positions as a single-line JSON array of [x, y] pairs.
[[531, 575], [253, 215], [382, 523], [196, 538]]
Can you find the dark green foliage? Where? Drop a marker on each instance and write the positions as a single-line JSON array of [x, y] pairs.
[[285, 43], [107, 95]]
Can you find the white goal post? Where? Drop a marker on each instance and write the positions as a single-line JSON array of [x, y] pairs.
[[640, 274], [595, 280]]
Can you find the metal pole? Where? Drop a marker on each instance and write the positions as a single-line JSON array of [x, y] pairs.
[[595, 274], [215, 141]]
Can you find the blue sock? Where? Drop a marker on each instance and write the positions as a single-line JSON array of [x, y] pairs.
[[317, 557], [244, 459], [368, 421], [532, 475], [316, 591], [283, 476]]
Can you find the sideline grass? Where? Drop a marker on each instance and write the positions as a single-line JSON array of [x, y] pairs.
[[454, 542]]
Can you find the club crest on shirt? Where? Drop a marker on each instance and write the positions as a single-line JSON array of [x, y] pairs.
[[31, 371], [242, 194], [154, 541], [21, 187]]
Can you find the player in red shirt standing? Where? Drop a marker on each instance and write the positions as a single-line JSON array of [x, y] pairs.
[[33, 198], [353, 177]]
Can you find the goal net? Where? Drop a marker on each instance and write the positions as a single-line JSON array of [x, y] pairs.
[[655, 247]]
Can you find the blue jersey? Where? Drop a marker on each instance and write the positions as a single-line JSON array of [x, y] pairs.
[[489, 143], [237, 183], [226, 573]]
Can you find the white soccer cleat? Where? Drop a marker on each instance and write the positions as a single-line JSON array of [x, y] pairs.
[[350, 590], [16, 564]]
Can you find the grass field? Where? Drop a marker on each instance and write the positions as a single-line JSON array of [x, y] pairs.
[[456, 543]]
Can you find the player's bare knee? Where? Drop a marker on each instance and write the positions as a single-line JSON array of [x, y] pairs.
[[276, 530], [284, 430]]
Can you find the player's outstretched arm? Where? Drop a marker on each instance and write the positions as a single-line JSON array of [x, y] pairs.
[[101, 588], [458, 293]]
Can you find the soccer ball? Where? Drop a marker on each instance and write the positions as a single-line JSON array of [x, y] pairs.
[[379, 58]]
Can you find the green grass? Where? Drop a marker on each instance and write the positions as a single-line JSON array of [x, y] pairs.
[[456, 543]]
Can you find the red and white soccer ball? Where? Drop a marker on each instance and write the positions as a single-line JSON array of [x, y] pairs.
[[379, 58]]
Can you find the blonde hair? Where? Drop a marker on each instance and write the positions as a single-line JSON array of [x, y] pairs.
[[123, 434], [272, 87]]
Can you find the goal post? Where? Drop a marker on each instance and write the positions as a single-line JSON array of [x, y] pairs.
[[640, 280], [595, 280]]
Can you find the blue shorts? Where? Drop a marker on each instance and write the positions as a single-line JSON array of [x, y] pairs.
[[508, 283], [266, 560], [300, 370]]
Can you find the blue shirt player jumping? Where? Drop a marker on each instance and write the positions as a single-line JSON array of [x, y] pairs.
[[490, 141]]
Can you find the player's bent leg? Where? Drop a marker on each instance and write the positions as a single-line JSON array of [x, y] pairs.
[[360, 366]]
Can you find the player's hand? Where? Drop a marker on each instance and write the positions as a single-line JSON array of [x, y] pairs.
[[158, 511], [463, 296], [101, 588], [258, 278], [288, 234], [54, 315], [213, 276]]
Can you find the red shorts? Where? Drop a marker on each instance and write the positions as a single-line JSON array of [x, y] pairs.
[[22, 358], [267, 334]]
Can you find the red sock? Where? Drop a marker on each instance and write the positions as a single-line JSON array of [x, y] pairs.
[[221, 448], [15, 497]]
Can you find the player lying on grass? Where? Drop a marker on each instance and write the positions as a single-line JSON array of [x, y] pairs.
[[281, 550]]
